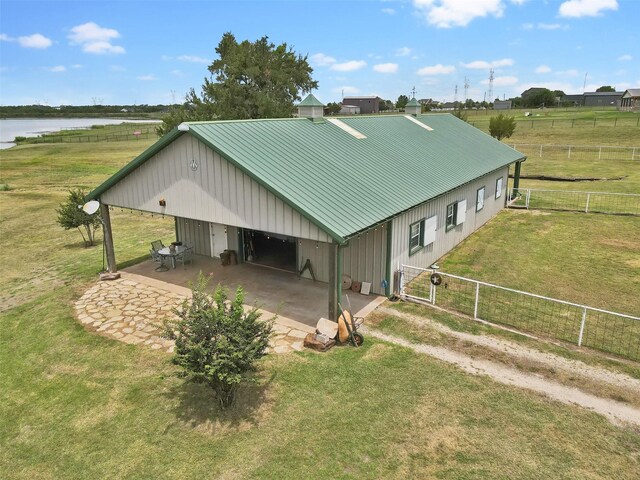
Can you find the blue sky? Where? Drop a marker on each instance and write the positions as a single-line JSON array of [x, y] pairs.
[[125, 52]]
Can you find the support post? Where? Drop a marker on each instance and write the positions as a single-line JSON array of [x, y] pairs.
[[584, 320], [475, 307], [388, 278], [108, 239], [586, 208], [516, 178], [333, 282]]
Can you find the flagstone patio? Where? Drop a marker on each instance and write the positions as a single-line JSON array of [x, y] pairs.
[[132, 308]]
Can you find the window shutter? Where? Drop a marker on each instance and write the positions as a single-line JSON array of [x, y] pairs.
[[430, 230], [462, 211]]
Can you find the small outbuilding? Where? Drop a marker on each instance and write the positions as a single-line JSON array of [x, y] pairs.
[[630, 101], [357, 196], [368, 104]]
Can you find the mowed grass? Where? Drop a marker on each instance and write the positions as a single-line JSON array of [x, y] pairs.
[[590, 259], [77, 405]]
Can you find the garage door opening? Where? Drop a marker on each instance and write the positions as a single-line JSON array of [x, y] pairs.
[[271, 250]]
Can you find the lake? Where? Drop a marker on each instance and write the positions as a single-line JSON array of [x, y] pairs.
[[11, 128]]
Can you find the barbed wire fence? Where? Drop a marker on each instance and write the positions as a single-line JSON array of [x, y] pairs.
[[582, 325]]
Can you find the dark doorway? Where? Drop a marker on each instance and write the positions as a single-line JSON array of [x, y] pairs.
[[271, 250]]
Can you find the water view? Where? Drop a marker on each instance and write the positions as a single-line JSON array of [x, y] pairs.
[[32, 127]]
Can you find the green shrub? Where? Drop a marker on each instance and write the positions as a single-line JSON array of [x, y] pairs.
[[5, 187], [216, 342]]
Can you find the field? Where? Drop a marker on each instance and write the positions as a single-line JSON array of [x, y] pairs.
[[77, 405]]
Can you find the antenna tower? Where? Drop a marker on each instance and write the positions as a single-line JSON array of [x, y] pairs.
[[413, 92], [466, 89], [455, 96], [584, 85], [491, 77]]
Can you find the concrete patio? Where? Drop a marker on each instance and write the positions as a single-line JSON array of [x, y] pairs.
[[274, 291]]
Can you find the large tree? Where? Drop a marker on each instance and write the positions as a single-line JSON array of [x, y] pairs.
[[606, 88], [402, 102], [248, 80], [541, 98]]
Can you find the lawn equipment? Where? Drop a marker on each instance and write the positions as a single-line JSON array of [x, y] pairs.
[[348, 326]]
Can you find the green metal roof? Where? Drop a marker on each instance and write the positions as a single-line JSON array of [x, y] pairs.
[[412, 103], [310, 101], [346, 184]]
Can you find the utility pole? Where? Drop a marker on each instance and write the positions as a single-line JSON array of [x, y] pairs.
[[455, 96], [491, 77], [466, 89]]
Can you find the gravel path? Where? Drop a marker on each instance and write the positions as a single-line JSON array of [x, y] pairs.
[[574, 367], [617, 412]]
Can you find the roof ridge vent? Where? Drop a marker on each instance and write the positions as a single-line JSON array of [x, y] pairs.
[[350, 130], [426, 127]]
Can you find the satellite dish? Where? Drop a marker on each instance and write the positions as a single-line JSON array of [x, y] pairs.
[[91, 207]]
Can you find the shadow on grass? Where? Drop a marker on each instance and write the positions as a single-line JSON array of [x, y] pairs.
[[133, 261], [196, 406]]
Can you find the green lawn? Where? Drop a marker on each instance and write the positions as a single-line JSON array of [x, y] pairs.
[[77, 405]]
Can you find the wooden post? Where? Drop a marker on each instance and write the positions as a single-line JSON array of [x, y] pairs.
[[108, 239]]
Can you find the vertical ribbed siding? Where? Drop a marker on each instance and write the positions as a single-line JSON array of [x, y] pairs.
[[318, 253], [365, 258], [194, 233], [215, 192], [446, 240]]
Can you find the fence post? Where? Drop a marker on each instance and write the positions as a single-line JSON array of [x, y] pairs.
[[569, 152], [633, 153], [600, 154], [528, 197], [475, 307], [586, 208], [584, 320], [540, 151], [401, 280]]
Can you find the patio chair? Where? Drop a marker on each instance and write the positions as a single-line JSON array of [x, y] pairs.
[[157, 245], [185, 257], [155, 256]]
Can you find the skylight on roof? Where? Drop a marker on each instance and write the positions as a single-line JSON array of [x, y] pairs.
[[426, 127], [350, 130]]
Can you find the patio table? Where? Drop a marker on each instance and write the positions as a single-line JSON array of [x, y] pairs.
[[167, 253]]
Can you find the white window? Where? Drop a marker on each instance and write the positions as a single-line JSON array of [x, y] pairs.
[[416, 231], [451, 216], [480, 199], [499, 187], [430, 225]]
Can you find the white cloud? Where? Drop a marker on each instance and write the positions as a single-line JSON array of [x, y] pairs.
[[457, 13], [518, 2], [346, 90], [386, 67], [192, 59], [322, 60], [586, 8], [484, 65], [35, 41], [625, 58], [438, 69], [95, 39], [76, 65], [502, 81], [57, 69], [146, 78], [403, 52], [117, 68], [349, 66], [549, 26], [388, 11], [543, 69]]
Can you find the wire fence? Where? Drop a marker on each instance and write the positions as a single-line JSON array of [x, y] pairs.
[[577, 201], [546, 123], [577, 152], [603, 330], [73, 135]]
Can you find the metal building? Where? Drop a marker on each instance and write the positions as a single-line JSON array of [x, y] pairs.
[[365, 104], [356, 196]]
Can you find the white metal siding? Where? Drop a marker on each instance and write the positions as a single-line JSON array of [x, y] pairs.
[[446, 240], [215, 192], [364, 258], [195, 233]]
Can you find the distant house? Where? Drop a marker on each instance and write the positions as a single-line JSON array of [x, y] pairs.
[[502, 105], [320, 191], [366, 104], [532, 91], [602, 99], [349, 110], [449, 106], [630, 101]]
